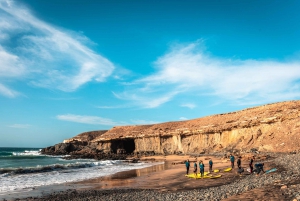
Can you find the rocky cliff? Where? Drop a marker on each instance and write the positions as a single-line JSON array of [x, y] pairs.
[[268, 128]]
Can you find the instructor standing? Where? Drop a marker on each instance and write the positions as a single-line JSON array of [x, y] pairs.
[[187, 165], [232, 160]]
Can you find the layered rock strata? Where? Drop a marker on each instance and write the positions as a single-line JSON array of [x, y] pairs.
[[268, 128]]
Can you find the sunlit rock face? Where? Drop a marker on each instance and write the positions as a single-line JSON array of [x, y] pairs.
[[268, 128]]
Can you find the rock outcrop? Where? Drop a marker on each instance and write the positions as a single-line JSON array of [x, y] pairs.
[[268, 128]]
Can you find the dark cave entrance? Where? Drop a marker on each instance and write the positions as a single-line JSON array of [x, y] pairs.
[[123, 146]]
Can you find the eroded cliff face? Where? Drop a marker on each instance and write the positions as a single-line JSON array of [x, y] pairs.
[[268, 128]]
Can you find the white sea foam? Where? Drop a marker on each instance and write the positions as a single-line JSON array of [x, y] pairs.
[[10, 183], [27, 153]]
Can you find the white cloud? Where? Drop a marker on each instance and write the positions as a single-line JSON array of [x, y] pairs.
[[112, 107], [189, 105], [84, 119], [44, 55], [5, 91], [146, 99], [64, 99], [10, 65], [95, 120], [188, 70], [143, 122], [20, 126], [183, 118], [107, 107]]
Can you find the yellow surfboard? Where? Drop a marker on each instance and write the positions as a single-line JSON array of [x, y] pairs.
[[196, 176], [228, 169], [204, 177], [217, 176], [216, 170]]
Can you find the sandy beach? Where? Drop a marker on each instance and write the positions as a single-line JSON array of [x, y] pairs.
[[163, 180]]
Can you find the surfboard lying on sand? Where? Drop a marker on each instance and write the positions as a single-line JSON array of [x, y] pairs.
[[228, 169], [204, 177], [198, 175], [216, 170], [271, 170], [217, 176]]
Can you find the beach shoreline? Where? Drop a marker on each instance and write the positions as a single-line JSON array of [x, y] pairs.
[[144, 178], [162, 182]]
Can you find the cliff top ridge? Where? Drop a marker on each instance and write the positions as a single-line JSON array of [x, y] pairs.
[[210, 124]]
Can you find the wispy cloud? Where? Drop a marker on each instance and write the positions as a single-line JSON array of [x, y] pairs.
[[143, 122], [64, 99], [20, 126], [44, 55], [189, 105], [8, 92], [187, 70], [147, 99], [183, 118], [84, 119], [95, 120], [112, 107]]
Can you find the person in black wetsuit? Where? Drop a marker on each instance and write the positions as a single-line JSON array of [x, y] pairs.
[[259, 167], [251, 164], [239, 162], [195, 168]]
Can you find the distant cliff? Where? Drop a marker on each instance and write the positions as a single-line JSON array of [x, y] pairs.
[[268, 128]]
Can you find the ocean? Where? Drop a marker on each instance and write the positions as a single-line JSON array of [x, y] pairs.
[[25, 168]]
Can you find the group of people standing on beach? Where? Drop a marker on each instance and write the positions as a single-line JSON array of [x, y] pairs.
[[259, 167], [201, 167]]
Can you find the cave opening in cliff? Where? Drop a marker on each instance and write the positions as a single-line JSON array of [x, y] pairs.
[[123, 146]]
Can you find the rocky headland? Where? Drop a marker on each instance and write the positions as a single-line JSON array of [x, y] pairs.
[[268, 128]]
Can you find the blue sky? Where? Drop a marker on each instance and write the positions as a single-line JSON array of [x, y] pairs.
[[72, 66]]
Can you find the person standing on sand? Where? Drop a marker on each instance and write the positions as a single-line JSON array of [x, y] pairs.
[[195, 168], [187, 165], [232, 160], [210, 163], [201, 167], [239, 162], [251, 164]]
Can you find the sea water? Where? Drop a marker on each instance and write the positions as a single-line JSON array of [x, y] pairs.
[[25, 168]]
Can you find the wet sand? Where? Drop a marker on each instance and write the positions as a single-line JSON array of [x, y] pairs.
[[167, 177]]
